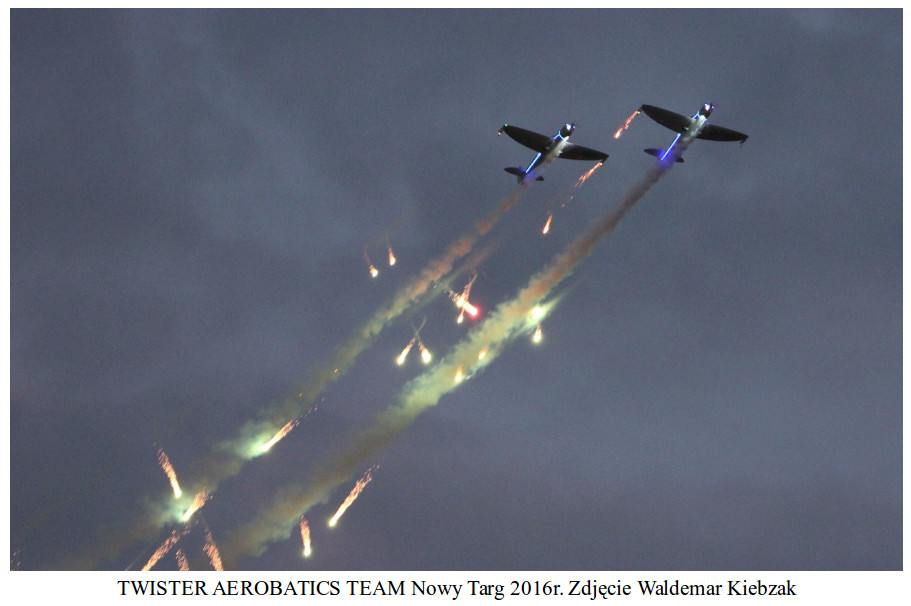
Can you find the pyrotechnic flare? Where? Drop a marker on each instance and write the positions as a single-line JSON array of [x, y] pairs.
[[546, 229], [425, 353], [354, 494], [211, 550], [537, 336], [305, 538], [198, 502], [391, 257], [626, 124], [370, 267], [172, 476], [281, 433], [458, 375], [401, 359], [507, 321]]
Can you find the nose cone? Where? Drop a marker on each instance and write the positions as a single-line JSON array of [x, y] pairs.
[[567, 129], [707, 109]]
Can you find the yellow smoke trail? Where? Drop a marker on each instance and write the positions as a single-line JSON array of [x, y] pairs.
[[354, 494], [480, 347], [169, 470], [211, 550], [305, 538]]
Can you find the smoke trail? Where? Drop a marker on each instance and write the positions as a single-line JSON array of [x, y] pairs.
[[228, 457], [480, 347]]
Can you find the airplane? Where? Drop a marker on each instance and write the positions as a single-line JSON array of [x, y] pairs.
[[549, 149], [689, 128]]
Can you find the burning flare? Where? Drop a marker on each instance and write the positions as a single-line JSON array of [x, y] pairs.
[[354, 494], [305, 537], [172, 476], [391, 257], [626, 124], [198, 502], [537, 336], [401, 359], [281, 433], [546, 229]]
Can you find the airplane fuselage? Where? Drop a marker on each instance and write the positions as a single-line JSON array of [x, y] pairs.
[[550, 154], [697, 123]]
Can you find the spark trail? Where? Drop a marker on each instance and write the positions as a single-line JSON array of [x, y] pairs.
[[626, 124], [354, 494], [211, 550], [169, 471], [281, 433], [510, 319], [165, 547]]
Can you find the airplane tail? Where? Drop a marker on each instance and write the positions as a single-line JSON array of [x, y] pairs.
[[520, 174], [658, 153]]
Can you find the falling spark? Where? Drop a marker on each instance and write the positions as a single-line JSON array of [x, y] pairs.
[[546, 229], [401, 359], [425, 353], [211, 550], [167, 546], [172, 476], [537, 336], [355, 492], [374, 272], [198, 502], [281, 433], [391, 257], [305, 537], [181, 559], [458, 375], [626, 124], [482, 354]]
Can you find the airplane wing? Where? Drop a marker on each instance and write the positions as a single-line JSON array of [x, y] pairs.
[[535, 141], [667, 119], [719, 133], [571, 151]]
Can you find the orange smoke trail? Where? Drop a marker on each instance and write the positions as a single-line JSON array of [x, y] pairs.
[[305, 538], [354, 494], [626, 124], [167, 546], [172, 476], [211, 550], [281, 433]]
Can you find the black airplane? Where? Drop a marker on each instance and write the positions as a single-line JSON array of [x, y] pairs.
[[689, 128], [549, 149]]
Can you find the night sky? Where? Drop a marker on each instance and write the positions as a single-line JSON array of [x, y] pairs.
[[719, 385]]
